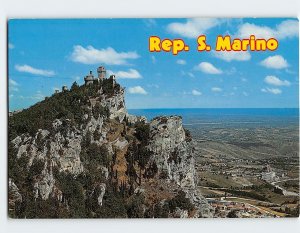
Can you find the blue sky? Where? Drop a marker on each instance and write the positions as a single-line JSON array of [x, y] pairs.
[[46, 54]]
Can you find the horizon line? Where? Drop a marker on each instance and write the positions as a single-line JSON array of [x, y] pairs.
[[173, 108], [213, 108]]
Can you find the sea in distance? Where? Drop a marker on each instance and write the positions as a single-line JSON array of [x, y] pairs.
[[228, 117]]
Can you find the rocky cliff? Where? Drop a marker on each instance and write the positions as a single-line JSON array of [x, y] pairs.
[[174, 156], [171, 151], [98, 156]]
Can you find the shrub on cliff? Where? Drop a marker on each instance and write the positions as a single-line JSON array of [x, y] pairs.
[[95, 154], [181, 202], [99, 110], [142, 132], [135, 206], [113, 205]]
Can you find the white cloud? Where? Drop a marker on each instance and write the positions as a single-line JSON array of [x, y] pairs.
[[13, 82], [137, 90], [192, 28], [273, 80], [275, 62], [216, 89], [11, 46], [208, 68], [232, 55], [108, 56], [181, 62], [286, 29], [195, 92], [130, 74], [13, 85], [38, 96], [31, 70], [274, 91], [190, 74]]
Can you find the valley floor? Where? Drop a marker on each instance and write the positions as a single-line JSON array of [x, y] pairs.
[[251, 172]]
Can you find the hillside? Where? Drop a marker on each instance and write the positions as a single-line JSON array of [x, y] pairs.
[[79, 154]]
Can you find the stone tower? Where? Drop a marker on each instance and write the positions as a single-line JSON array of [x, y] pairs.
[[113, 79], [89, 79], [101, 72]]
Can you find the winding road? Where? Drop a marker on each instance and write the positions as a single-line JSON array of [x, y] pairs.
[[284, 191]]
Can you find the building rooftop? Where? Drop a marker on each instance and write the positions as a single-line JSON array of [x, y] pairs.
[[89, 77]]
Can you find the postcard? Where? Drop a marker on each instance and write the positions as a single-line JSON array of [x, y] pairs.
[[153, 118]]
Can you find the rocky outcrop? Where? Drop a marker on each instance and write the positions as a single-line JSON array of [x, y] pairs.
[[13, 194], [171, 152], [179, 213], [63, 150], [132, 119], [115, 103], [203, 209], [102, 188], [44, 185], [62, 147], [99, 192], [62, 144], [116, 106], [174, 157]]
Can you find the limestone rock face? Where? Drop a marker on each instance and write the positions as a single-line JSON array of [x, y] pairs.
[[44, 184], [102, 188], [203, 208], [116, 105], [13, 194], [171, 152], [174, 157], [62, 150], [60, 146], [67, 158], [179, 213], [132, 119]]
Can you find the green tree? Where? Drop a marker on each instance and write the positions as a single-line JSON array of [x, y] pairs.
[[74, 86]]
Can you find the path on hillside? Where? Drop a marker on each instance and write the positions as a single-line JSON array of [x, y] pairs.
[[284, 191]]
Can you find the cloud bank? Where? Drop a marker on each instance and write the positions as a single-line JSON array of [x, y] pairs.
[[108, 56]]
